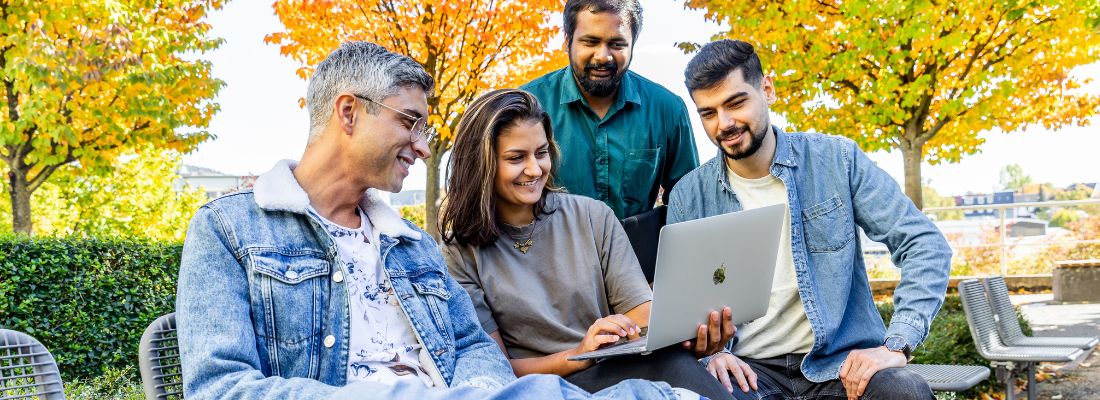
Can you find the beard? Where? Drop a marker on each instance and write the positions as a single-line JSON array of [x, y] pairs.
[[756, 139], [599, 87]]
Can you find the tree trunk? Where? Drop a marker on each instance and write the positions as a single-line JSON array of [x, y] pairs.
[[20, 202], [912, 158], [432, 191]]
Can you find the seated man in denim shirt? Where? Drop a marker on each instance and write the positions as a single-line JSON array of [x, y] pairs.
[[308, 287], [822, 335]]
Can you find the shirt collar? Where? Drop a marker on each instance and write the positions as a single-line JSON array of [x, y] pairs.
[[571, 91], [784, 154]]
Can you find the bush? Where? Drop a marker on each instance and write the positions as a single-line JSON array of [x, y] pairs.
[[87, 300], [949, 340], [114, 384]]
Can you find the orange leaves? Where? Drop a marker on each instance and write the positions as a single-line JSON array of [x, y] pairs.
[[468, 46]]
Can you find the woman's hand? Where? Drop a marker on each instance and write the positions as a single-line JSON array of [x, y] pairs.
[[607, 330]]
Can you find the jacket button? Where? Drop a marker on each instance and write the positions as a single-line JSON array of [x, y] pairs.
[[337, 276], [291, 275], [330, 340]]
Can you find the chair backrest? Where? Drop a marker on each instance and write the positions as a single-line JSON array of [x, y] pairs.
[[27, 369], [979, 315], [159, 360], [1007, 322]]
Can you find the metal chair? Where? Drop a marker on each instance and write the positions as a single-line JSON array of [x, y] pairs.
[[159, 360], [1009, 326], [950, 378], [27, 369], [983, 328]]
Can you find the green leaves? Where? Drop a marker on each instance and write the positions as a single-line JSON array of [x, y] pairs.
[[87, 300]]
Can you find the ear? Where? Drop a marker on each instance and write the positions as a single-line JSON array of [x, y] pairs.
[[344, 112], [769, 89]]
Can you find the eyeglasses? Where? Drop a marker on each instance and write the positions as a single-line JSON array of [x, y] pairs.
[[419, 129]]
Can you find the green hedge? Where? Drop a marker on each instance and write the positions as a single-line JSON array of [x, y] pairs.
[[949, 340], [87, 300]]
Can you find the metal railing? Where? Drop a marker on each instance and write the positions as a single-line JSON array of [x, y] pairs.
[[1003, 231]]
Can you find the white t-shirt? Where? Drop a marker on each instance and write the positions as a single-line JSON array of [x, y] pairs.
[[381, 346], [784, 329]]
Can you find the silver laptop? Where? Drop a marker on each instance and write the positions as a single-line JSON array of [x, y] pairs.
[[704, 265]]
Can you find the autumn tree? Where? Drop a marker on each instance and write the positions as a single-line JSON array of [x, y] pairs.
[[1014, 178], [469, 47], [85, 81], [922, 77]]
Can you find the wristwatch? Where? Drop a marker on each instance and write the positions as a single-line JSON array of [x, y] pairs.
[[898, 344]]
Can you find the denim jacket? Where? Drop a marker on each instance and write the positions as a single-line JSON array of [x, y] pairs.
[[262, 314], [833, 188]]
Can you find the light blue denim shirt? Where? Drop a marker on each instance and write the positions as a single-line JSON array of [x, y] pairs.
[[833, 188], [262, 314]]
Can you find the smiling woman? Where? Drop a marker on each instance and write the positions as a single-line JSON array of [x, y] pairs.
[[551, 274]]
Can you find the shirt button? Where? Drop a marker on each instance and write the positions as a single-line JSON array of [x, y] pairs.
[[291, 274], [337, 276], [330, 340]]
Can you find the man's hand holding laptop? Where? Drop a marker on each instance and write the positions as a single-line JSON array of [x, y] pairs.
[[712, 337]]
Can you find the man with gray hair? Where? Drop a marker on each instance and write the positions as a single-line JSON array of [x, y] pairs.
[[307, 286]]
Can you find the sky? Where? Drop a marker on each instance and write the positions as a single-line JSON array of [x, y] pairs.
[[260, 121]]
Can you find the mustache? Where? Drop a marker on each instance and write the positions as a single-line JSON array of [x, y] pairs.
[[732, 131], [612, 65]]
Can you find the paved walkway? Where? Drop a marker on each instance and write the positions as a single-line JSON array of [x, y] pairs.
[[1079, 380]]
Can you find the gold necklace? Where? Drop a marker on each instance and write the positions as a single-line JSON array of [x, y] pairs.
[[523, 244]]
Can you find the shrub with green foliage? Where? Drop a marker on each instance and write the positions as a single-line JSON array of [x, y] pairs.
[[114, 384], [87, 300], [949, 340]]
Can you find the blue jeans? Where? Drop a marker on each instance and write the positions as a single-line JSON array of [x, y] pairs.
[[672, 365], [781, 378]]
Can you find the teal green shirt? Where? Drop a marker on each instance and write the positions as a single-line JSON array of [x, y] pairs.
[[644, 142]]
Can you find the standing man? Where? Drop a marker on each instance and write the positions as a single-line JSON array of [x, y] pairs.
[[308, 287], [622, 136], [822, 335]]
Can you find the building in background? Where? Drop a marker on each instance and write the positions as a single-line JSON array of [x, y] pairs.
[[215, 183]]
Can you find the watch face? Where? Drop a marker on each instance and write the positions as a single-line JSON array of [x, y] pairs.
[[895, 343]]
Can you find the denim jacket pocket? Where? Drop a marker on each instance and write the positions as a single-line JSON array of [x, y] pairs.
[[639, 173], [827, 226], [287, 297], [433, 291]]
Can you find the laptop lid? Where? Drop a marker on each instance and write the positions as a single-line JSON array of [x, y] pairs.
[[709, 263]]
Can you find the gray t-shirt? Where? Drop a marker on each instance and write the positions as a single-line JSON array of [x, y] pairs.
[[579, 268]]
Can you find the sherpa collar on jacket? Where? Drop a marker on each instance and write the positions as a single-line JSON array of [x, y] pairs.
[[277, 190]]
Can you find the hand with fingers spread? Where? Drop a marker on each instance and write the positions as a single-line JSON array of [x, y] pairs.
[[712, 337], [861, 365], [725, 365]]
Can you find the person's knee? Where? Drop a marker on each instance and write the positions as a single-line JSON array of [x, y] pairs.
[[899, 384]]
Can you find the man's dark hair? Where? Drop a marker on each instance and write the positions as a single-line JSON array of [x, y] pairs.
[[717, 59], [629, 10]]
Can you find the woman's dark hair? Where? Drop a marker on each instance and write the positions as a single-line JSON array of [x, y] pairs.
[[469, 210], [717, 59]]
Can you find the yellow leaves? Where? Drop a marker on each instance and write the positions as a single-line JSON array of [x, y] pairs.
[[984, 64], [92, 78]]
